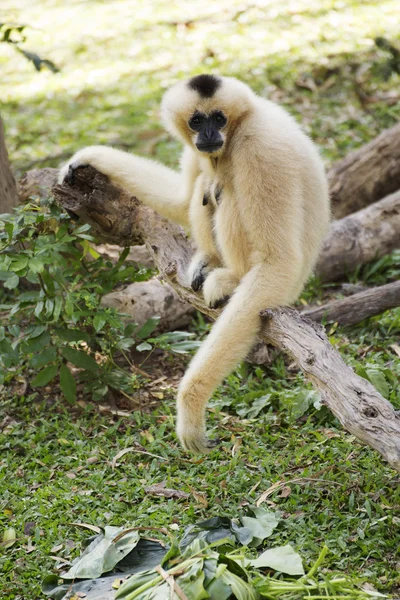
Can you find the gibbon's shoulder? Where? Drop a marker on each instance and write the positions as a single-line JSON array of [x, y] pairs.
[[269, 129]]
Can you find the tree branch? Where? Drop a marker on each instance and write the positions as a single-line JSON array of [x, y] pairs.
[[358, 307], [355, 402], [367, 174], [359, 238]]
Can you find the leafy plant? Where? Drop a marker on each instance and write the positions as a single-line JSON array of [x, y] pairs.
[[212, 560], [54, 323]]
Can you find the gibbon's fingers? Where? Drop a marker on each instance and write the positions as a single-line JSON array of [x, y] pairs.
[[219, 286], [157, 186], [70, 176], [229, 341], [198, 270]]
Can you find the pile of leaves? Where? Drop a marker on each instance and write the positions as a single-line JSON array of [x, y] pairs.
[[214, 559]]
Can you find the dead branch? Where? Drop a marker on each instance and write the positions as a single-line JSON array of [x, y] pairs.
[[357, 307], [355, 402], [360, 238], [367, 174]]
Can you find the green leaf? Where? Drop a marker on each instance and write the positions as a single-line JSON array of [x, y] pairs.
[[45, 376], [49, 282], [37, 343], [19, 264], [261, 524], [58, 304], [38, 309], [98, 322], [68, 384], [143, 347], [38, 330], [192, 582], [45, 357], [378, 380], [103, 553], [72, 335], [147, 328], [9, 537], [79, 358], [2, 333], [241, 589], [8, 354], [11, 282], [49, 304], [283, 559], [185, 347], [36, 265]]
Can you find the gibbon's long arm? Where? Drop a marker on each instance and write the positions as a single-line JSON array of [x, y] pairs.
[[164, 190]]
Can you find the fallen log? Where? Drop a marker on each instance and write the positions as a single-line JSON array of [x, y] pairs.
[[355, 402], [367, 174], [357, 307], [360, 238]]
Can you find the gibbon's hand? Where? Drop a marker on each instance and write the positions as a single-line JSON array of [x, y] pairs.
[[94, 156]]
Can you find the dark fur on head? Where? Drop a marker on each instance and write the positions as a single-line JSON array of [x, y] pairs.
[[205, 85]]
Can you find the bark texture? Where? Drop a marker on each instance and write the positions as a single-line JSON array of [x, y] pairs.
[[8, 187], [358, 307], [367, 174], [359, 238], [356, 403], [144, 299]]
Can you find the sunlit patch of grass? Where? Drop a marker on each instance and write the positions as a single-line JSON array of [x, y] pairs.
[[116, 58]]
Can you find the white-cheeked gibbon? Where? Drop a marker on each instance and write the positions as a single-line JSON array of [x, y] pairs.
[[252, 191]]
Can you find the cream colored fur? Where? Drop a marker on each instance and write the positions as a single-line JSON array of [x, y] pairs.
[[257, 244]]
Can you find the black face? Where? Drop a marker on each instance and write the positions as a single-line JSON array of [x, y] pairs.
[[208, 138]]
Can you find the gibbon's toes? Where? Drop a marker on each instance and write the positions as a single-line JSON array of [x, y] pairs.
[[198, 444], [70, 175], [219, 302]]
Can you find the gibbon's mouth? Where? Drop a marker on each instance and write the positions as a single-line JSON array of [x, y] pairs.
[[210, 147]]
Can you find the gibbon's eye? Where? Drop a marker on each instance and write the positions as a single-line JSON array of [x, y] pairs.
[[220, 119], [196, 121]]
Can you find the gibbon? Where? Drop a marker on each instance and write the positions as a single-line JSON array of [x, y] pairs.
[[253, 193]]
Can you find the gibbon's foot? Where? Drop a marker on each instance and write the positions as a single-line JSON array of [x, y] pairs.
[[194, 441], [219, 302], [199, 445], [70, 175], [219, 287]]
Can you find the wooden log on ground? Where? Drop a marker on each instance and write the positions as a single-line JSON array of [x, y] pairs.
[[367, 174], [359, 238], [357, 307], [355, 402]]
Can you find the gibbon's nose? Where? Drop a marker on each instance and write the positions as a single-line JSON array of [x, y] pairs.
[[208, 133]]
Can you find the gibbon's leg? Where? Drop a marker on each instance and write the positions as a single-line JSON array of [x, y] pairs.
[[265, 285], [219, 286], [155, 185]]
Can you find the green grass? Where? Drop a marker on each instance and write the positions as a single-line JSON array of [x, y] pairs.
[[56, 462]]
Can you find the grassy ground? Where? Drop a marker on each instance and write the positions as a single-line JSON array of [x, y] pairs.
[[56, 464]]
